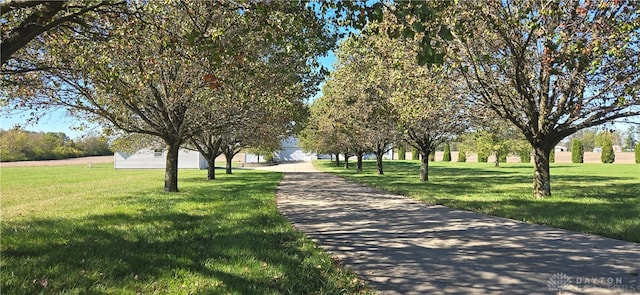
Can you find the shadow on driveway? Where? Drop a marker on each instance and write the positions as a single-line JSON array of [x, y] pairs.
[[403, 246]]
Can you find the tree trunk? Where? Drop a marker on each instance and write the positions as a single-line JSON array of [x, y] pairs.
[[171, 170], [497, 162], [229, 158], [541, 174], [346, 161], [359, 164], [214, 152], [424, 166], [379, 161], [211, 170], [337, 159]]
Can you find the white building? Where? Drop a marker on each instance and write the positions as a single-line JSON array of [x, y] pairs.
[[289, 152], [156, 159], [292, 152]]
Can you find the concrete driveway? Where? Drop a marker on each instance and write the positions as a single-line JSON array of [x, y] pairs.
[[403, 246]]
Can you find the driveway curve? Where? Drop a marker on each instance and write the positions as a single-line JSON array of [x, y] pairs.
[[403, 246]]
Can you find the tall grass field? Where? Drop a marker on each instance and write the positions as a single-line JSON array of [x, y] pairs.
[[601, 199], [75, 230]]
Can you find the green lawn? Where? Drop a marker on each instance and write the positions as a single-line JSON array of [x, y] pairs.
[[75, 230], [601, 199]]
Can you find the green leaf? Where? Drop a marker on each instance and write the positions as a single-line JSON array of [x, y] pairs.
[[445, 33], [393, 33], [418, 27], [425, 12], [422, 59], [377, 11], [408, 33], [438, 58]]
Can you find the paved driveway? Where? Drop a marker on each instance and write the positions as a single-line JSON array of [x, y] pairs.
[[403, 246]]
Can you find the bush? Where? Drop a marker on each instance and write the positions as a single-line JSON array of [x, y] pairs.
[[462, 156], [525, 156], [447, 153], [402, 152], [607, 156], [552, 156], [268, 157], [502, 156], [483, 158], [638, 153], [415, 154], [577, 151], [432, 156]]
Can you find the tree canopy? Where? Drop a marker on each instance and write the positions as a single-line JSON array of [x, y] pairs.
[[173, 70], [551, 67]]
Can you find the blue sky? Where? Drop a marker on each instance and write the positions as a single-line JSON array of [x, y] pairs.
[[54, 121]]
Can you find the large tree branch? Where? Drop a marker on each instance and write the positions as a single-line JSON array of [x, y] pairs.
[[40, 21]]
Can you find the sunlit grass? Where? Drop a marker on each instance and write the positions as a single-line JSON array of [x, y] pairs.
[[601, 199], [75, 230]]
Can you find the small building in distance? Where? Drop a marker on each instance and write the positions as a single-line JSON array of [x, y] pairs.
[[156, 159]]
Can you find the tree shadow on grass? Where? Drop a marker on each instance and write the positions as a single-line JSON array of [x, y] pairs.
[[597, 204], [195, 241]]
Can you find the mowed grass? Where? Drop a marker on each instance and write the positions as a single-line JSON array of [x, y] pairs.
[[75, 230], [602, 199]]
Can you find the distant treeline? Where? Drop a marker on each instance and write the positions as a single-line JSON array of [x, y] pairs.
[[23, 145]]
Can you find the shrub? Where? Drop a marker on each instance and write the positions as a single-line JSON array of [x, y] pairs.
[[525, 156], [502, 156], [607, 156], [432, 156], [401, 152], [577, 151], [415, 154], [638, 153], [462, 156], [447, 153], [483, 158], [552, 156]]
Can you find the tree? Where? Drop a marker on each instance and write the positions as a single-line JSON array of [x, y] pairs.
[[429, 110], [462, 156], [525, 156], [551, 68], [493, 137], [402, 151], [22, 145], [577, 151], [637, 153], [25, 20], [145, 88], [170, 62], [629, 140], [446, 157], [94, 145], [321, 134], [588, 139], [262, 100], [357, 97], [607, 155], [491, 141], [415, 154]]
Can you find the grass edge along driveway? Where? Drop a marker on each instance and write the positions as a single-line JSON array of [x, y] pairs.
[[75, 230], [601, 199]]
